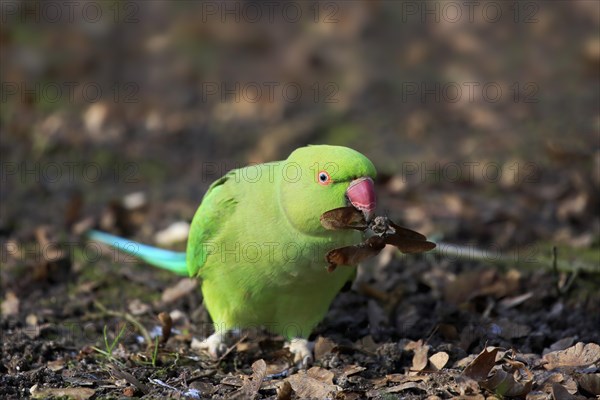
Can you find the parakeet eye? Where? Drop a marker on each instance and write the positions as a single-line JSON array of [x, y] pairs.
[[324, 178]]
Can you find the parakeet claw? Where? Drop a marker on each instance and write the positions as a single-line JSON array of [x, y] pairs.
[[214, 345], [302, 350]]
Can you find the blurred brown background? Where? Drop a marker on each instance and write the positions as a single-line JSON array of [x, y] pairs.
[[491, 105]]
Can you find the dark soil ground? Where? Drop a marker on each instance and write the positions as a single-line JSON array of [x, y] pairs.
[[507, 306]]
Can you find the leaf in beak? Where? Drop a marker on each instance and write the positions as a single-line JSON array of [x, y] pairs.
[[408, 245], [383, 232], [344, 218], [352, 255]]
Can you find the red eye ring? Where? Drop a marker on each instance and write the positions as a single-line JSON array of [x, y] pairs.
[[323, 178]]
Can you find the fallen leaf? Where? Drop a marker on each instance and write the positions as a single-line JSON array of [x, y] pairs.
[[590, 383], [561, 344], [323, 346], [129, 378], [285, 391], [56, 365], [419, 361], [251, 387], [575, 356], [465, 385], [321, 374], [306, 386], [481, 366], [235, 380], [347, 395], [367, 344], [439, 360], [401, 378], [10, 305], [505, 384], [182, 288], [537, 395], [352, 370], [136, 307], [405, 386], [176, 232], [71, 393], [559, 392]]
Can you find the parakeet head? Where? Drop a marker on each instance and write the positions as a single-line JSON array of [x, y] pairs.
[[316, 179]]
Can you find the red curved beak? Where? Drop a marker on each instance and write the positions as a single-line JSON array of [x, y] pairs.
[[361, 194]]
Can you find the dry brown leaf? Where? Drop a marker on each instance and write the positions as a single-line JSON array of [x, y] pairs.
[[559, 392], [71, 393], [439, 360], [234, 380], [590, 383], [306, 386], [467, 386], [10, 304], [57, 365], [536, 395], [250, 387], [561, 344], [405, 382], [419, 361], [285, 391], [405, 386], [182, 288], [352, 370], [367, 344], [462, 288], [323, 346], [481, 366], [505, 384], [129, 378], [573, 206], [401, 378], [579, 355], [136, 307], [347, 395], [321, 374]]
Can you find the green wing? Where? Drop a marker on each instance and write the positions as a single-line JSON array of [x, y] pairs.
[[218, 205]]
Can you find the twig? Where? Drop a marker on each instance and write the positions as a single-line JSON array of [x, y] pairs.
[[129, 378], [232, 347]]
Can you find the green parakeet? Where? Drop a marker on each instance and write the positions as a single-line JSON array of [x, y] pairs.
[[257, 244]]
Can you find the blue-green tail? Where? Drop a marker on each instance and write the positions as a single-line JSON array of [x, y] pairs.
[[170, 260]]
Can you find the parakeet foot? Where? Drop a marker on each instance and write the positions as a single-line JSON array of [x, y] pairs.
[[215, 345], [302, 350]]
